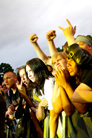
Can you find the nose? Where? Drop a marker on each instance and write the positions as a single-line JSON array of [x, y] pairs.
[[23, 77], [5, 81], [29, 74]]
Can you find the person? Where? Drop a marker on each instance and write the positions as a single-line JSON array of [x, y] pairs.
[[3, 90], [12, 99], [13, 95], [60, 100], [38, 73], [23, 109], [70, 39], [85, 43], [30, 119], [79, 65], [2, 116]]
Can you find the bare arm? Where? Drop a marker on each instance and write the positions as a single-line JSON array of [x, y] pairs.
[[56, 100], [62, 81], [40, 114], [33, 39], [50, 36], [69, 33], [82, 94], [53, 123], [22, 91], [67, 104]]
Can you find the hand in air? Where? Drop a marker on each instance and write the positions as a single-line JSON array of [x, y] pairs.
[[33, 38], [50, 35], [70, 30], [61, 78]]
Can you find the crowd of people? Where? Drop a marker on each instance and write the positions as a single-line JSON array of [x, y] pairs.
[[50, 97]]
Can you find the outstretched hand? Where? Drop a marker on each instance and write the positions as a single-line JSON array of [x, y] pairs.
[[51, 35], [33, 38], [61, 78], [70, 30]]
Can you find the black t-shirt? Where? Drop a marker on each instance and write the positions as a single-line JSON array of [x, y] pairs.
[[87, 77], [13, 98]]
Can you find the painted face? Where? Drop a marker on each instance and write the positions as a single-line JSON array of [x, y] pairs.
[[72, 67], [30, 73], [59, 63], [9, 79], [23, 77]]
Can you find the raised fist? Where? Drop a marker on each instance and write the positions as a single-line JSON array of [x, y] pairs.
[[51, 35], [33, 38]]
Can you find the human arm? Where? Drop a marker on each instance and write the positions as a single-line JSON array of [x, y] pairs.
[[50, 35], [22, 91], [10, 110], [60, 101], [82, 94], [53, 123], [56, 99], [69, 33], [33, 39], [40, 114], [61, 80]]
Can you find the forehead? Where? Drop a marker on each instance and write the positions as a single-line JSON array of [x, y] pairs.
[[81, 43], [56, 57], [27, 68], [22, 71], [9, 74]]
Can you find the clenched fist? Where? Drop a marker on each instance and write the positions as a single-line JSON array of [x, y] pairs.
[[51, 35], [33, 38]]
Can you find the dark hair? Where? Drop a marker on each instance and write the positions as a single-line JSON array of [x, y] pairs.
[[18, 75], [40, 69]]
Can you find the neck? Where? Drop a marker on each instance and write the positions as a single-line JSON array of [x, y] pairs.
[[14, 88]]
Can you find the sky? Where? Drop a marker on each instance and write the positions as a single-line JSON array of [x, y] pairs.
[[21, 18]]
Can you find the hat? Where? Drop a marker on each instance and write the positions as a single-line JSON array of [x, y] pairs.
[[84, 39], [80, 56]]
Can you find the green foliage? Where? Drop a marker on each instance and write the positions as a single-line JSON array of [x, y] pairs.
[[59, 50], [89, 37], [4, 67]]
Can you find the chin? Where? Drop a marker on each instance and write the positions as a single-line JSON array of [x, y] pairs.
[[71, 74]]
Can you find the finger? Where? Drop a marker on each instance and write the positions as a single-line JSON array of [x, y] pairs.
[[61, 28], [31, 36], [69, 23]]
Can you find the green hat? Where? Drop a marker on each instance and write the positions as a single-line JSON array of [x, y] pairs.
[[84, 39], [80, 56]]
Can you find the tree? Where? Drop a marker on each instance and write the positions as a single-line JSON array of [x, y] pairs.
[[4, 67], [59, 50], [89, 37]]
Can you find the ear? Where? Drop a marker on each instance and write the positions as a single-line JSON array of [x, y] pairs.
[[16, 79], [89, 47]]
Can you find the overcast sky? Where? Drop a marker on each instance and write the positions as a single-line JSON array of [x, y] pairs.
[[21, 18]]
